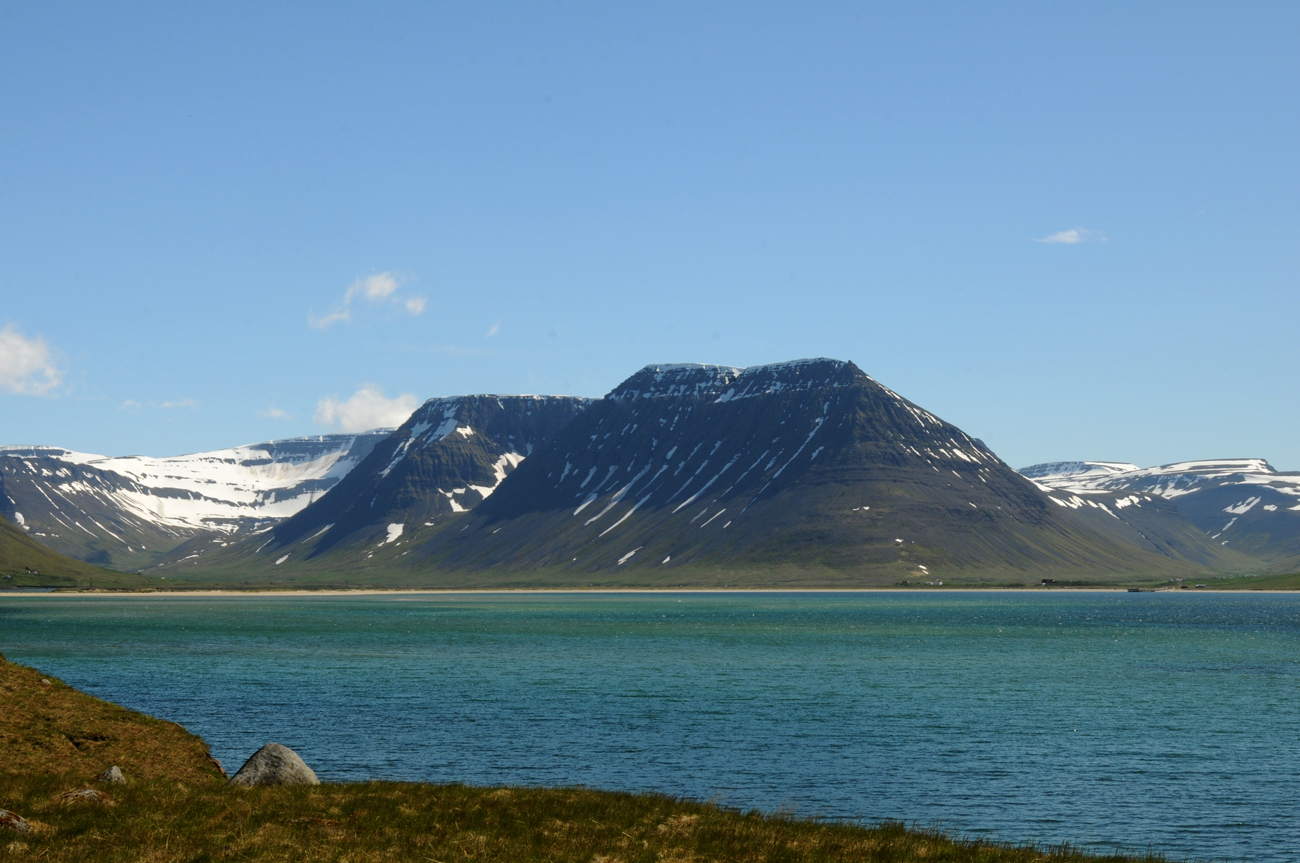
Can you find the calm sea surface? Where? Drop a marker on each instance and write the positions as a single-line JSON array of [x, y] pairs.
[[1104, 719]]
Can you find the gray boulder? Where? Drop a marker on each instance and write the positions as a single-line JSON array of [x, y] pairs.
[[111, 776], [274, 764]]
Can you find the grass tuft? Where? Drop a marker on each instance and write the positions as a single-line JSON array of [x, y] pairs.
[[386, 821]]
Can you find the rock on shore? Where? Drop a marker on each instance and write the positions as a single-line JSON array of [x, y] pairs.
[[274, 764]]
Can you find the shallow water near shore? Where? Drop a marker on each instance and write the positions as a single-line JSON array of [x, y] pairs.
[[1109, 720]]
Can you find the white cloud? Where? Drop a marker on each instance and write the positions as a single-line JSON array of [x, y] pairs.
[[496, 328], [380, 287], [274, 413], [324, 322], [129, 405], [27, 366], [1073, 236], [178, 403], [367, 409]]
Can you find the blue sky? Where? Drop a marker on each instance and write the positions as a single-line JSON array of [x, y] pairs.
[[235, 222]]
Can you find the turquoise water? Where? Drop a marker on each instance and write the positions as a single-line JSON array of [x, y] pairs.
[[1104, 719]]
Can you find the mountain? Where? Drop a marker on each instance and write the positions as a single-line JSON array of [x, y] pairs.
[[1243, 505], [127, 513], [808, 465], [24, 562], [447, 458]]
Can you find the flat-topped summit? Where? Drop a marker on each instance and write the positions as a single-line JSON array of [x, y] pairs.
[[701, 380]]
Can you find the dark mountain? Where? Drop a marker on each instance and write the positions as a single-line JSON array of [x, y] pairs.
[[24, 562], [1243, 506], [809, 463], [7, 509], [447, 458], [129, 512]]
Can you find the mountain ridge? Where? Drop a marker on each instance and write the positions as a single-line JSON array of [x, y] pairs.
[[128, 511], [449, 455], [1244, 503], [808, 465], [927, 494]]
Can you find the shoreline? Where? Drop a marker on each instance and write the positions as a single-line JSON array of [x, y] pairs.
[[441, 591]]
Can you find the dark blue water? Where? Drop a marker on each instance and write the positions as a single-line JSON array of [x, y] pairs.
[[1109, 720]]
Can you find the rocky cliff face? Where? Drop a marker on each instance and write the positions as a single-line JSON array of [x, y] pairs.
[[6, 503]]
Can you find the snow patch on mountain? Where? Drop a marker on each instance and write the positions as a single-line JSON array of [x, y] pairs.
[[204, 491], [1167, 481]]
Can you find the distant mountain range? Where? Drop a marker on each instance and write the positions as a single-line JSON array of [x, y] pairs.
[[130, 512], [691, 474], [1243, 505]]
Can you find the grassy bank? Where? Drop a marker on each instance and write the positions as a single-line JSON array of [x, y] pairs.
[[177, 807]]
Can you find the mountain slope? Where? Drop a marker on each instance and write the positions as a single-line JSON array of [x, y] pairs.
[[448, 457], [810, 463], [24, 562], [128, 512], [1242, 505], [1151, 523]]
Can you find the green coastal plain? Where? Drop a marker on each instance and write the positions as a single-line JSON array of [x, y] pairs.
[[176, 806]]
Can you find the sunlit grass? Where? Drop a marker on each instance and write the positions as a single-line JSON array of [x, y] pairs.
[[162, 820]]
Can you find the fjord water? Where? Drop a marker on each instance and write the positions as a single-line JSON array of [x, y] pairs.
[[1105, 719]]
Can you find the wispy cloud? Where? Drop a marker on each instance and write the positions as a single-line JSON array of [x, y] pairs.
[[368, 408], [496, 328], [1072, 237], [274, 413], [377, 288], [28, 366], [174, 404]]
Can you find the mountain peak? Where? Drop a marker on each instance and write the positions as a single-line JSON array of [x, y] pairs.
[[448, 457]]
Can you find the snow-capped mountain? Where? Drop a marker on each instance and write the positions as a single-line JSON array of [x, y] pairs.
[[808, 463], [125, 512], [1241, 504], [447, 458], [1169, 480]]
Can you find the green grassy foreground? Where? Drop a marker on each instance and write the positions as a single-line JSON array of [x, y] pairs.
[[177, 807], [169, 821]]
